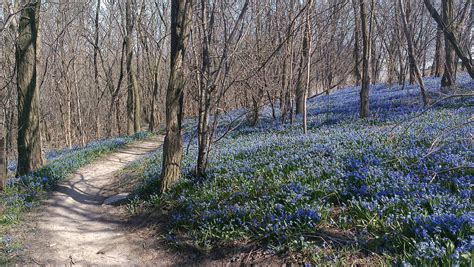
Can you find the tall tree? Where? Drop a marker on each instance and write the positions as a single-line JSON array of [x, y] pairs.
[[213, 76], [357, 75], [96, 70], [8, 55], [304, 71], [411, 52], [27, 54], [287, 66], [307, 55], [451, 38], [3, 163], [205, 87], [437, 67], [173, 145], [301, 90], [449, 75], [366, 46], [133, 99]]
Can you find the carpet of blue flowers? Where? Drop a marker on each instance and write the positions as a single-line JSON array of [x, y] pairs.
[[398, 184]]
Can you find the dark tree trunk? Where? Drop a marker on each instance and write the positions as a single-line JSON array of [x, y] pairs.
[[373, 57], [204, 137], [173, 145], [115, 96], [284, 96], [364, 91], [27, 53], [96, 69], [307, 55], [3, 163], [356, 53], [449, 36], [437, 67], [449, 75], [212, 74], [286, 102], [133, 95], [401, 68], [301, 86], [151, 126], [411, 53]]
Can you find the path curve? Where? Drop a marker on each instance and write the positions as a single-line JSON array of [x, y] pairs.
[[75, 228]]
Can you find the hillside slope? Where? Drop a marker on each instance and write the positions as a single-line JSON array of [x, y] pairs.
[[396, 186]]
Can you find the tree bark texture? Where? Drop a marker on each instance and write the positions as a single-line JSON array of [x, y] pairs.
[[173, 144], [27, 53]]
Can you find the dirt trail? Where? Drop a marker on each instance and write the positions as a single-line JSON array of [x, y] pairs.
[[74, 227]]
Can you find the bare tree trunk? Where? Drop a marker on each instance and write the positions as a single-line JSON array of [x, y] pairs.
[[96, 70], [307, 55], [271, 100], [470, 31], [300, 99], [392, 66], [373, 52], [27, 53], [213, 75], [9, 60], [423, 66], [373, 48], [79, 109], [450, 37], [9, 135], [449, 75], [3, 150], [364, 91], [204, 92], [356, 52], [68, 115], [115, 96], [411, 53], [401, 68], [287, 74], [284, 105], [117, 116], [290, 89], [437, 67], [173, 145], [257, 97], [133, 99], [151, 127], [3, 163]]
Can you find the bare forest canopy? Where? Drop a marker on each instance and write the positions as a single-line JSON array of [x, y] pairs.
[[102, 68]]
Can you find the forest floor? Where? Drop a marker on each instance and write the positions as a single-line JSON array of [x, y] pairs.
[[350, 192], [75, 227]]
